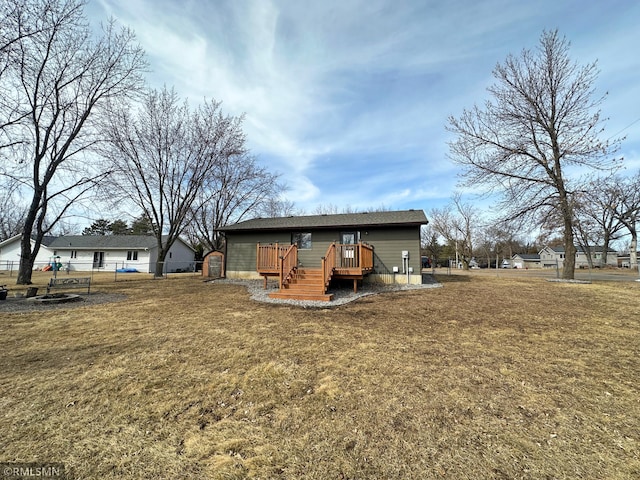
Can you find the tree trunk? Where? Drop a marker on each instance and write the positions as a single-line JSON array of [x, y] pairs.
[[605, 248], [633, 249], [27, 256], [26, 264], [160, 262], [569, 264]]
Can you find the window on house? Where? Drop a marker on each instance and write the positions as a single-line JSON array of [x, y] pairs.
[[132, 255], [74, 254], [303, 240]]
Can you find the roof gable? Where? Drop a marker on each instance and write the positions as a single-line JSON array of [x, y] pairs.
[[342, 220]]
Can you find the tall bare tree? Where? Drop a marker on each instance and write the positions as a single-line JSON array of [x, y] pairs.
[[543, 121], [53, 89], [164, 155], [237, 189]]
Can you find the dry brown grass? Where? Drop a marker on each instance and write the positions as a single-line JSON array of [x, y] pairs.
[[484, 378]]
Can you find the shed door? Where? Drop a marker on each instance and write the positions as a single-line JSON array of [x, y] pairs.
[[215, 266]]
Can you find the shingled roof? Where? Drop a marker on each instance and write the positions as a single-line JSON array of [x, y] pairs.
[[106, 242], [341, 220]]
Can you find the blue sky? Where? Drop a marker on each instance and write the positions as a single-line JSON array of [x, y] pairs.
[[348, 99]]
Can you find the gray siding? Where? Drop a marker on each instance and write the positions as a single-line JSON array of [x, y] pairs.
[[241, 248], [388, 244]]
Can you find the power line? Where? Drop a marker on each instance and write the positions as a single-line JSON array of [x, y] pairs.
[[625, 128]]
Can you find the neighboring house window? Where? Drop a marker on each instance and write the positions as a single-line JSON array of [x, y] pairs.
[[132, 255], [303, 240], [74, 254]]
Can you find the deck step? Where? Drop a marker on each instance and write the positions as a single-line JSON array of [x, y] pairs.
[[295, 295], [305, 284]]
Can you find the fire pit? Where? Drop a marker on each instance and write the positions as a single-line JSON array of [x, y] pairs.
[[52, 298]]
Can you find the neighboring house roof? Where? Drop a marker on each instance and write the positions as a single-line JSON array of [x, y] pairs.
[[342, 220], [47, 239], [105, 242], [579, 249], [527, 256]]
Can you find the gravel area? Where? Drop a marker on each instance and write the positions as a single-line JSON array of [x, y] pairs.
[[341, 296], [21, 304]]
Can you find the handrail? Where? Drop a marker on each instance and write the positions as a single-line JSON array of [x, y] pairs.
[[328, 265], [366, 256], [267, 257], [287, 263], [358, 255]]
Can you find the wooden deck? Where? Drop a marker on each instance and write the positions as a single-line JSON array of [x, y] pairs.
[[341, 261]]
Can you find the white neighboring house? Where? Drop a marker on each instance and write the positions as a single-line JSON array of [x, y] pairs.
[[108, 252], [550, 257]]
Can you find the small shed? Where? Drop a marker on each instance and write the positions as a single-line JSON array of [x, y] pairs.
[[213, 265]]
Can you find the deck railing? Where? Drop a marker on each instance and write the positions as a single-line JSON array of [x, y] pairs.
[[287, 263], [274, 259], [328, 265], [268, 256], [358, 255]]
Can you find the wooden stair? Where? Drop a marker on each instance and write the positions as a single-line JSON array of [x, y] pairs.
[[304, 284]]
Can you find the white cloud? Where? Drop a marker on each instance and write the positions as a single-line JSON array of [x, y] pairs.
[[323, 82]]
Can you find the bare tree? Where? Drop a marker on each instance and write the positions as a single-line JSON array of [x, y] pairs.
[[542, 121], [237, 189], [278, 207], [59, 77], [11, 210], [19, 20], [596, 219], [626, 209], [164, 155], [457, 223], [429, 242]]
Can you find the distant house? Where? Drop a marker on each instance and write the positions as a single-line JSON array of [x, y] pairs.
[[376, 246], [526, 260], [624, 260], [108, 252], [552, 257]]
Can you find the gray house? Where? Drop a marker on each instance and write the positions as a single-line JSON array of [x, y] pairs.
[[552, 257], [378, 246]]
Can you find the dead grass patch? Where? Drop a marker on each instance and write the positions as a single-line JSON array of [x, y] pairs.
[[484, 378]]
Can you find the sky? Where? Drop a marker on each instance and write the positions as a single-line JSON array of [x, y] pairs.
[[348, 99]]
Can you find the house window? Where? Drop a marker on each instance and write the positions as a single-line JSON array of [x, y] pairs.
[[74, 254], [132, 255], [303, 240]]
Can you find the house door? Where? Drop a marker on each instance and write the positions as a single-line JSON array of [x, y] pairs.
[[349, 238], [98, 259], [348, 254]]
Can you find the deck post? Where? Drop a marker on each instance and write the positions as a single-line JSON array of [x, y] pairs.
[[355, 285]]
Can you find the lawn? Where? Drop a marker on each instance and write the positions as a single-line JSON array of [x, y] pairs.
[[484, 378]]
